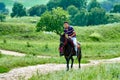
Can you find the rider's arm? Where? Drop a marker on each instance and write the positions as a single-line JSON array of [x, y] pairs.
[[74, 33]]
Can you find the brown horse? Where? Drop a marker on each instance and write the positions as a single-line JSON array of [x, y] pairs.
[[66, 48]]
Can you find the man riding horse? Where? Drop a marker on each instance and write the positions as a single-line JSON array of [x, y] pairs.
[[70, 33], [68, 45]]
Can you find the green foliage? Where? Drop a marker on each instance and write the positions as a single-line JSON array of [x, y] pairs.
[[113, 17], [81, 18], [53, 4], [4, 41], [53, 21], [96, 36], [116, 8], [18, 10], [2, 17], [77, 3], [28, 44], [72, 10], [37, 10], [3, 9], [93, 4], [65, 3], [0, 54], [97, 16], [2, 6], [7, 28], [99, 72], [9, 62]]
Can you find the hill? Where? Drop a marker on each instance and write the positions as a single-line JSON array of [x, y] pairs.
[[104, 33]]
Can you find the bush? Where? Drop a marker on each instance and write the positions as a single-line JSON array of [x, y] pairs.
[[37, 10], [2, 17], [113, 17], [116, 8], [53, 20], [18, 10], [0, 54], [97, 16], [81, 18], [7, 28], [95, 36]]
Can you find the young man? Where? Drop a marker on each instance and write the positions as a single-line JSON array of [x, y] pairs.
[[71, 34]]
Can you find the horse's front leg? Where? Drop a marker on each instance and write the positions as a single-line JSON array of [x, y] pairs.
[[67, 61], [79, 57], [72, 62]]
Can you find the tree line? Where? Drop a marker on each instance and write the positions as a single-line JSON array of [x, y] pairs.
[[81, 12]]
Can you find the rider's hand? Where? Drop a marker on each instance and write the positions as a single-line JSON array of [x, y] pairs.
[[70, 37]]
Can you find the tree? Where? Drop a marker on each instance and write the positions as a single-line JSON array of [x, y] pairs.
[[65, 3], [53, 20], [93, 4], [81, 18], [53, 4], [18, 10], [77, 3], [107, 5], [3, 9], [2, 6], [72, 10], [2, 17], [116, 8], [97, 16], [37, 10]]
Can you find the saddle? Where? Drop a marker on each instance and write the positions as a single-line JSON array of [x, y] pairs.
[[78, 47], [78, 43]]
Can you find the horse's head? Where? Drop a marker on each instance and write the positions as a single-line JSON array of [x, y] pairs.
[[63, 42]]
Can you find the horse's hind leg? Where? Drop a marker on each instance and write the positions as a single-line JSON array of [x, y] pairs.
[[72, 60], [79, 57], [67, 61]]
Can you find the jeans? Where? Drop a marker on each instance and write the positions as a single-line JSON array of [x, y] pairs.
[[74, 42]]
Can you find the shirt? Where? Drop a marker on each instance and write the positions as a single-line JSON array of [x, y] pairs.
[[69, 31]]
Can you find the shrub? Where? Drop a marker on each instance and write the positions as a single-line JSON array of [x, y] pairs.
[[2, 17], [7, 28], [95, 36]]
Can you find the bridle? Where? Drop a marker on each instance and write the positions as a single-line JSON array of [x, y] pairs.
[[63, 44]]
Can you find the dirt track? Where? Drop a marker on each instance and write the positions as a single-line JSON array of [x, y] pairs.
[[27, 72]]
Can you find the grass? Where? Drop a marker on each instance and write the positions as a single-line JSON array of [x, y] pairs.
[[9, 62], [18, 34], [100, 72], [90, 50]]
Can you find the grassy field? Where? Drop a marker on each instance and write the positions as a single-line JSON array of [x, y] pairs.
[[100, 72], [9, 62], [18, 34]]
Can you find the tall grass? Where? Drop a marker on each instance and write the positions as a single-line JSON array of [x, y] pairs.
[[8, 28], [91, 50], [9, 62], [100, 72], [104, 33]]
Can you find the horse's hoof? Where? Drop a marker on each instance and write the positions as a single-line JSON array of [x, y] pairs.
[[67, 70]]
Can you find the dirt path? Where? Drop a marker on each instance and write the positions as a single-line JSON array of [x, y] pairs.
[[27, 72], [6, 52]]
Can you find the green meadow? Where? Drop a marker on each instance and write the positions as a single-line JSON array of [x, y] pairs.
[[18, 34], [100, 72]]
